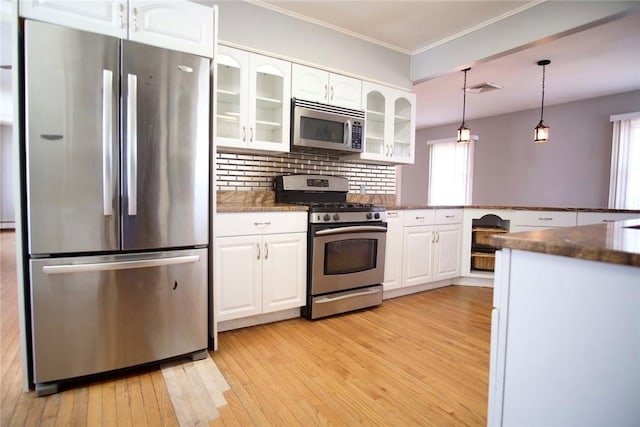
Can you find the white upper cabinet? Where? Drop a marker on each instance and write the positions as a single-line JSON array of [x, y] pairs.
[[178, 24], [104, 17], [253, 101], [312, 84], [390, 124]]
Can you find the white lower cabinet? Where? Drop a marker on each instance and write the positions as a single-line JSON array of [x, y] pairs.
[[393, 251], [431, 245], [417, 255], [448, 247], [587, 218], [259, 273]]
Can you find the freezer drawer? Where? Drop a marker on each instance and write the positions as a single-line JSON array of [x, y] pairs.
[[96, 314]]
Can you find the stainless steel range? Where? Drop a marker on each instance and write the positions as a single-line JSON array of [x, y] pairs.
[[346, 244]]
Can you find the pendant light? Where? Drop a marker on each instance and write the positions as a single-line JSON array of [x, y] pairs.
[[464, 133], [541, 132]]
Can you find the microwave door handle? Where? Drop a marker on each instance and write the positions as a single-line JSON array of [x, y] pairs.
[[347, 133]]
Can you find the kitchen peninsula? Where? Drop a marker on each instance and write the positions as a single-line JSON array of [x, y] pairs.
[[565, 334]]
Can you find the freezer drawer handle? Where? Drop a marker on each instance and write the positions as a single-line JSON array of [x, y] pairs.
[[107, 140], [345, 296], [121, 265], [132, 144]]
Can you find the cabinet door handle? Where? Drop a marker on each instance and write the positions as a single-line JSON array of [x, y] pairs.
[[244, 133], [266, 250], [251, 134], [258, 247], [326, 93], [433, 237], [331, 98], [135, 19], [121, 15], [437, 236]]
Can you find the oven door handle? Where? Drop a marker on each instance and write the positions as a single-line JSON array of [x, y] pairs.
[[351, 229]]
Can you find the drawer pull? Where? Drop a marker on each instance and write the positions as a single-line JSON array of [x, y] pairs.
[[449, 216], [545, 218], [608, 220], [420, 218], [258, 224]]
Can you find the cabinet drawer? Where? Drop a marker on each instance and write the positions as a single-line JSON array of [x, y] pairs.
[[419, 217], [449, 216], [248, 223], [544, 218], [585, 218]]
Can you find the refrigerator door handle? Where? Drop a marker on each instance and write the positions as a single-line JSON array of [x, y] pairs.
[[132, 144], [119, 265], [107, 141]]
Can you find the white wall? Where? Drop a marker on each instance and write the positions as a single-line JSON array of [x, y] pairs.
[[572, 170], [245, 25]]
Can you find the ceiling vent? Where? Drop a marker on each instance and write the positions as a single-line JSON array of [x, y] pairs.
[[483, 87]]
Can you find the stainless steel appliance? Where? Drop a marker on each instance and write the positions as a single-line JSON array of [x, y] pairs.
[[117, 179], [346, 244], [318, 127]]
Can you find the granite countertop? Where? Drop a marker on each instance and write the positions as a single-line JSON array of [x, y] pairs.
[[614, 243], [513, 208], [258, 201]]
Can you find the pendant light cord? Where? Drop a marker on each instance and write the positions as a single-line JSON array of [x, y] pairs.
[[542, 106], [464, 94]]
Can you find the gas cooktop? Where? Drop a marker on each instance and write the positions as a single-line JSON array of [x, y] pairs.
[[326, 197]]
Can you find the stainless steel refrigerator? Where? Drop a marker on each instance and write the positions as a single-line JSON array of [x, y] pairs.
[[117, 155]]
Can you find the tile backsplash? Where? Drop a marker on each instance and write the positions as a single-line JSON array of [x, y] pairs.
[[255, 172]]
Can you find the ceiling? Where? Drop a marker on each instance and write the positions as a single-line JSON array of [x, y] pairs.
[[594, 62]]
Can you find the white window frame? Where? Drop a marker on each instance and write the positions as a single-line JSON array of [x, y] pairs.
[[469, 172], [620, 170]]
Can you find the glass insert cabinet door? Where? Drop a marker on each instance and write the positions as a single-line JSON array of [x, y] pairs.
[[270, 108], [402, 128], [253, 100], [375, 110], [232, 97]]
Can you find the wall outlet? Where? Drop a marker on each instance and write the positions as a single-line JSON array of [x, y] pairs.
[[363, 188]]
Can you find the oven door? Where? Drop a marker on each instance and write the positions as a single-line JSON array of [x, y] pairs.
[[347, 257]]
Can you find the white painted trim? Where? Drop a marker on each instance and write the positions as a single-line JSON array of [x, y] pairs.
[[479, 26], [626, 116]]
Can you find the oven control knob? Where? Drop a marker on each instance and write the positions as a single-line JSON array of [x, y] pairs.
[[376, 215], [369, 215], [326, 217], [336, 217]]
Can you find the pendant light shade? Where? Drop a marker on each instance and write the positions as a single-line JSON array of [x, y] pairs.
[[464, 133], [541, 132]]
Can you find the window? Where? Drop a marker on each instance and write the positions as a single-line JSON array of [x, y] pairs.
[[450, 172], [624, 186]]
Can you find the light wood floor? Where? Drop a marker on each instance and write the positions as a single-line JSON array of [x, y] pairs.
[[414, 361]]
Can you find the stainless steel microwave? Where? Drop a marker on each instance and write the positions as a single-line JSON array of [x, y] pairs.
[[316, 126]]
